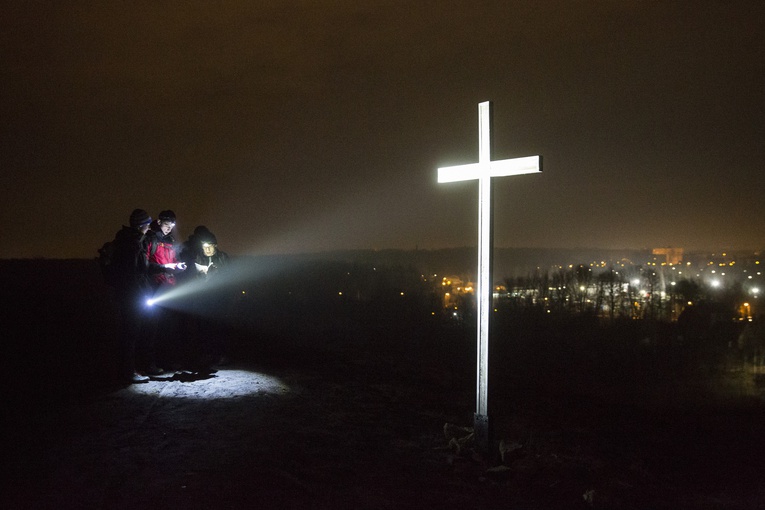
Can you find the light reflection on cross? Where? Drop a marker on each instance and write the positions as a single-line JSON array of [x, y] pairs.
[[483, 171]]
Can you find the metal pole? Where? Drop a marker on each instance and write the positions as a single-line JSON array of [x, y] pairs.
[[481, 424]]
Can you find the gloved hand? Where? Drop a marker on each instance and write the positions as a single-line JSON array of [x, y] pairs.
[[179, 266]]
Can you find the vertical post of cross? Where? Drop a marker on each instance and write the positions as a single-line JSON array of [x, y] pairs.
[[483, 171], [485, 275]]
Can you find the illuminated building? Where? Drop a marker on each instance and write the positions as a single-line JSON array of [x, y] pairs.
[[673, 256]]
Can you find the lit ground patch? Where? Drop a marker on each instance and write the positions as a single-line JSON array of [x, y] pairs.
[[223, 384]]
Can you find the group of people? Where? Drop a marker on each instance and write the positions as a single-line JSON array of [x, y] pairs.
[[149, 263]]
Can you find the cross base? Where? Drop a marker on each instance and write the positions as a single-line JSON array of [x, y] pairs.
[[482, 433]]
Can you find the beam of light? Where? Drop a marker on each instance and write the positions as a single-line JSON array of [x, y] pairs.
[[224, 384], [344, 223], [231, 278]]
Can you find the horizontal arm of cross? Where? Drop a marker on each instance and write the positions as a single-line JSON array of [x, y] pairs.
[[505, 167]]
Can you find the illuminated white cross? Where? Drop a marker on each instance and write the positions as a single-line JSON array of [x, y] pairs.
[[483, 171]]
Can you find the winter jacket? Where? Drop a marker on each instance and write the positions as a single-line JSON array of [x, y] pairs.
[[130, 259], [194, 257], [160, 250]]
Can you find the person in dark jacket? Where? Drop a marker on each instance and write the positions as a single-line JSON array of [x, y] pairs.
[[207, 332], [132, 289], [201, 254]]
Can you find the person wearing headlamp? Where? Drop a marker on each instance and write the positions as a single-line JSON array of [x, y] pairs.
[[201, 251], [208, 332], [164, 265], [163, 259]]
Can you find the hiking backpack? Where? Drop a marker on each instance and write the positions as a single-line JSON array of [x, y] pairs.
[[107, 263]]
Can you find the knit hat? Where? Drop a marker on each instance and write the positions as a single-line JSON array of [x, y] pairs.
[[167, 215], [139, 217], [203, 235]]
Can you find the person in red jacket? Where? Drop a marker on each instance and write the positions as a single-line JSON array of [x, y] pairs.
[[163, 267], [161, 251]]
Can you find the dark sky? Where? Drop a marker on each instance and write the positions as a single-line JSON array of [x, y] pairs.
[[296, 126]]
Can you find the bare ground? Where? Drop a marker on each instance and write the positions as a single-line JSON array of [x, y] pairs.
[[350, 430], [358, 417]]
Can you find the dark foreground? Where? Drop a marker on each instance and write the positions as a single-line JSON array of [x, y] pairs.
[[350, 415]]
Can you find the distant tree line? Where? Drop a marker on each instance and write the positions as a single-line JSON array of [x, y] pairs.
[[635, 293]]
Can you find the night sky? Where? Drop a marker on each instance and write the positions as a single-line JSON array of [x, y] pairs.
[[302, 126]]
